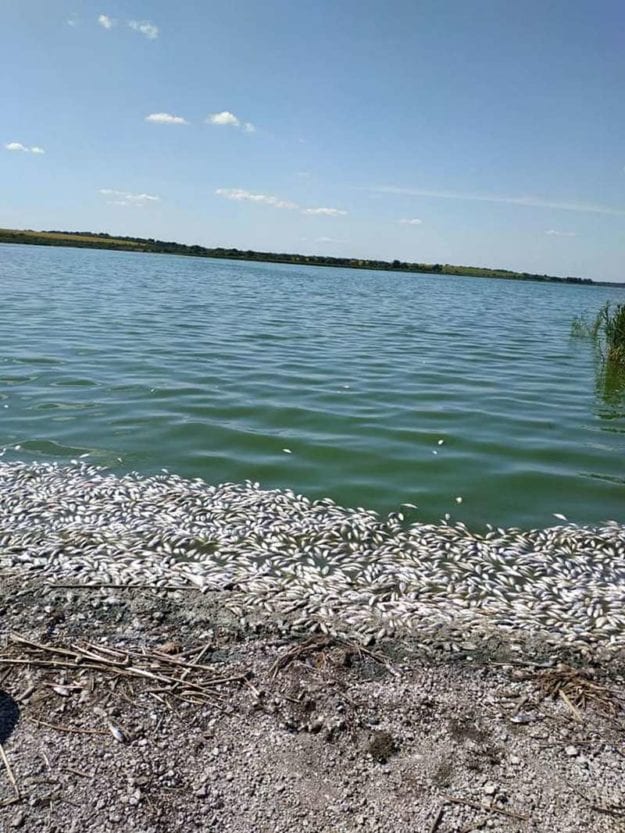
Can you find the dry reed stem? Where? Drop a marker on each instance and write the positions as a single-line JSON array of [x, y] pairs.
[[491, 809], [171, 674], [576, 688], [318, 643], [7, 766], [72, 729]]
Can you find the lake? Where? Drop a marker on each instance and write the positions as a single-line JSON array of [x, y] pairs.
[[385, 387]]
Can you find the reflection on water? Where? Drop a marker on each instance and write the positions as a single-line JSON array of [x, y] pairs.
[[610, 381]]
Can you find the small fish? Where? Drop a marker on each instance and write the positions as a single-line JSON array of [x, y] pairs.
[[441, 442], [64, 690], [459, 499], [560, 517], [117, 733], [287, 451]]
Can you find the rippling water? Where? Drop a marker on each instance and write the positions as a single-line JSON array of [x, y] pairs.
[[211, 368]]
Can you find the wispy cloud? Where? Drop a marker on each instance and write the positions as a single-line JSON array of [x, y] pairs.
[[240, 195], [228, 119], [532, 201], [325, 212], [72, 20], [165, 118], [412, 221], [329, 240], [144, 27], [20, 148], [126, 198], [106, 22], [554, 233]]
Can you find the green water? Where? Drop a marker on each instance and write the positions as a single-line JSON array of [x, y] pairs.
[[211, 368]]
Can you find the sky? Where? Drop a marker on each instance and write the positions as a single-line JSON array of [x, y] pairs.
[[473, 132]]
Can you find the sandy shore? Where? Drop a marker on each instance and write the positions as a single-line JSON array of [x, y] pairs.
[[275, 733]]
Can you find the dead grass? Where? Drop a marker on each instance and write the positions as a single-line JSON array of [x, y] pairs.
[[577, 689]]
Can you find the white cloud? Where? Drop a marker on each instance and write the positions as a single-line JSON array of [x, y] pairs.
[[145, 28], [532, 201], [18, 146], [228, 119], [72, 21], [555, 233], [165, 118], [328, 240], [413, 221], [325, 212], [106, 22], [126, 198], [225, 117], [239, 194]]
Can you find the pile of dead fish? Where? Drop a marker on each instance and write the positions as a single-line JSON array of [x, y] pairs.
[[312, 565]]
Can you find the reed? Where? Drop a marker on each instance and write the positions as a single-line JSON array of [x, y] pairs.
[[613, 324], [607, 331]]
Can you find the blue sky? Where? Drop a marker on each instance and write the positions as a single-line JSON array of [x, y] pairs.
[[481, 132]]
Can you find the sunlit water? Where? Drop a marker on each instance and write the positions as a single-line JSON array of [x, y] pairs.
[[212, 369]]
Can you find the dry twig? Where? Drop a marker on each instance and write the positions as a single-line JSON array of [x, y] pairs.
[[491, 809]]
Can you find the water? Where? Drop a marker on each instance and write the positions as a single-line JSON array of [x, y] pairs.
[[211, 368]]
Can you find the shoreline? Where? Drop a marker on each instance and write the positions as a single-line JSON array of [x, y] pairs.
[[139, 245], [304, 733], [315, 566]]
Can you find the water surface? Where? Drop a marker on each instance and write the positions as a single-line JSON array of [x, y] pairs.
[[212, 368]]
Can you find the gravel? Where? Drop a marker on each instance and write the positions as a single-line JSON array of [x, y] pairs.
[[335, 738]]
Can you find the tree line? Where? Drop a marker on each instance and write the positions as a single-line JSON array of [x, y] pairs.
[[88, 239]]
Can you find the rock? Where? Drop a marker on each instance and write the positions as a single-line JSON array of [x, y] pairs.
[[571, 751], [490, 789]]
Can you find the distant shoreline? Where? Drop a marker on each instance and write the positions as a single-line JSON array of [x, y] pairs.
[[91, 240]]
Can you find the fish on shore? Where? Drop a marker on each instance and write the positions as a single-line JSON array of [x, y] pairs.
[[327, 567]]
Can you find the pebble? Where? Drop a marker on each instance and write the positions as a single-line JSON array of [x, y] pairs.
[[18, 820], [571, 751]]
